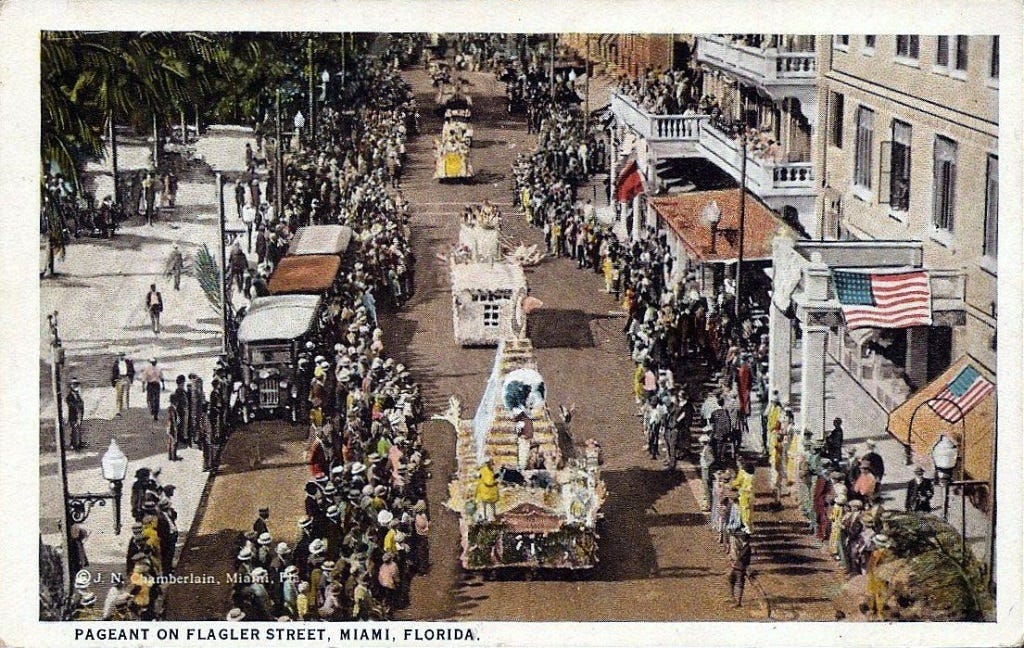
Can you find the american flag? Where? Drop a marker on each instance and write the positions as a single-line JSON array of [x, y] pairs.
[[966, 390], [889, 300]]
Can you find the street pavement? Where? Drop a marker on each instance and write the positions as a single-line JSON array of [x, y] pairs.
[[100, 293], [658, 558]]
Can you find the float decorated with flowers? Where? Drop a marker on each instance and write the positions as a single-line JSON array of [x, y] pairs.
[[526, 497]]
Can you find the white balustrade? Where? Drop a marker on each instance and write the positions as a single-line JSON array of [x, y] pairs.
[[767, 65]]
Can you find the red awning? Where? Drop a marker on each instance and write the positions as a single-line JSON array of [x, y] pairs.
[[629, 184], [682, 214]]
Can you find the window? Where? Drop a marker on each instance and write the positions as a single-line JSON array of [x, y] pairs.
[[961, 53], [942, 51], [869, 42], [899, 179], [907, 46], [491, 315], [991, 242], [993, 63], [943, 183], [862, 151], [836, 119], [842, 41]]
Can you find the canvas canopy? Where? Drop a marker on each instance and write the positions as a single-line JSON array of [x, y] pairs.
[[321, 239], [977, 427], [280, 317], [311, 274]]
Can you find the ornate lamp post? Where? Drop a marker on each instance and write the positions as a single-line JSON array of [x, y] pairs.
[[712, 215], [114, 466], [944, 456]]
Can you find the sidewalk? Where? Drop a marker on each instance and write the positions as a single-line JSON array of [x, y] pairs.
[[99, 295], [863, 419]]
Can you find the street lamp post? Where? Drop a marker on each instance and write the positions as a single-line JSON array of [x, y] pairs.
[[278, 158], [114, 466], [312, 117], [223, 263], [551, 74], [712, 215], [56, 365], [743, 217], [944, 457], [586, 63]]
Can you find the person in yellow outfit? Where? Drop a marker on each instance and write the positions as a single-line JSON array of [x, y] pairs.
[[744, 485], [606, 267], [878, 588], [487, 491], [775, 466], [390, 543], [638, 383], [836, 518], [773, 414]]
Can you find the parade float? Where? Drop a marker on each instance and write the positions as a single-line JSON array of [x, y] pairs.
[[489, 294], [487, 301], [548, 497], [451, 151], [451, 148]]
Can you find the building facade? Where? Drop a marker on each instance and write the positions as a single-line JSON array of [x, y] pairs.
[[909, 150]]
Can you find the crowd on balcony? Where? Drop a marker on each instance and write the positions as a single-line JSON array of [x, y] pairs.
[[662, 93], [783, 42]]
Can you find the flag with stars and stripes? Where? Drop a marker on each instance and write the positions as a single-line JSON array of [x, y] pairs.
[[884, 300], [961, 394]]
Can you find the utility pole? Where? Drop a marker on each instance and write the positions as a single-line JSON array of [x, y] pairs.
[[278, 161], [156, 145], [113, 158], [551, 74], [586, 62], [184, 129], [743, 216], [309, 53], [56, 366], [223, 264]]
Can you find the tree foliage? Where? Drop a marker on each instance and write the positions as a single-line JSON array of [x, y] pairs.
[[208, 274], [89, 78]]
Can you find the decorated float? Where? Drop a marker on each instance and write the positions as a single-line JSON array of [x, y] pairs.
[[489, 294], [451, 152], [546, 496]]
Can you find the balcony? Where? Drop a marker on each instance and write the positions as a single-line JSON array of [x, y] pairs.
[[765, 67], [694, 135], [655, 128]]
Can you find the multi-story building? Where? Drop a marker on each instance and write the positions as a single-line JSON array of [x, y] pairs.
[[909, 151], [758, 86]]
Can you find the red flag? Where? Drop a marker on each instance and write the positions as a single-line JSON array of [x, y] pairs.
[[629, 184]]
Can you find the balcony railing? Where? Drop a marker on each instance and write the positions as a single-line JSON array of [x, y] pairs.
[[763, 176], [767, 66], [656, 127]]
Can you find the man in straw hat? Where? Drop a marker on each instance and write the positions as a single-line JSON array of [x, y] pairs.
[[878, 587]]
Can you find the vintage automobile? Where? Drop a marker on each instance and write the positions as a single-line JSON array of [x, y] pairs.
[[271, 339], [311, 274], [321, 239]]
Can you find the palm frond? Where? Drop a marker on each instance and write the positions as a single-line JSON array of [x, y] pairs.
[[209, 276]]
